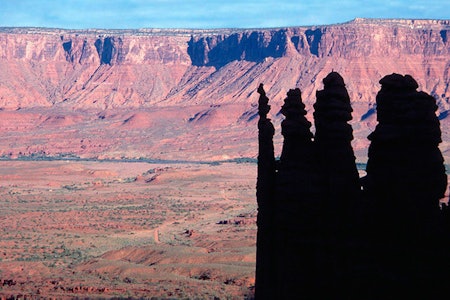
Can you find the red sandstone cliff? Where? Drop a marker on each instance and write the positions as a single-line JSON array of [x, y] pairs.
[[212, 69], [44, 67]]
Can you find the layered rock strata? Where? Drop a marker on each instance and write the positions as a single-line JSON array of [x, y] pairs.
[[140, 68], [208, 73]]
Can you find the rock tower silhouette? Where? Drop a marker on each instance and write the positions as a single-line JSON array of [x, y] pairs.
[[324, 233]]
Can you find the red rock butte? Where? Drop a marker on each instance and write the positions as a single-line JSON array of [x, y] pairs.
[[70, 91]]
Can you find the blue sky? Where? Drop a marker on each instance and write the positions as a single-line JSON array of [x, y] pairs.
[[123, 14]]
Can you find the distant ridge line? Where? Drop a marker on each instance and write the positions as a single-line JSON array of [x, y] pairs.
[[190, 31], [416, 22]]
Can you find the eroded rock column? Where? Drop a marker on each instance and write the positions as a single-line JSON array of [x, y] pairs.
[[338, 181], [338, 173], [265, 256], [297, 207], [405, 180]]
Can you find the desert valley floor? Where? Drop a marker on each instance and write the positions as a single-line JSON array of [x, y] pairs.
[[127, 229], [91, 229]]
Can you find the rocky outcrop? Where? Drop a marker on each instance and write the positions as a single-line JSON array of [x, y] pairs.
[[360, 50], [264, 194], [135, 68], [323, 237], [404, 148], [297, 206], [333, 136], [252, 46], [405, 180], [346, 41], [339, 185], [84, 70]]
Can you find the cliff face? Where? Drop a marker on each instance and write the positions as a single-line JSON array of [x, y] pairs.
[[150, 68], [88, 70], [362, 51], [135, 68]]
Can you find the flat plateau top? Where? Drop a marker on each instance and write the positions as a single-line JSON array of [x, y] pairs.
[[412, 23]]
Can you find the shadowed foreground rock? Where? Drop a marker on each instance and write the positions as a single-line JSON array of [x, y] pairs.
[[323, 235], [264, 195], [405, 180], [297, 205]]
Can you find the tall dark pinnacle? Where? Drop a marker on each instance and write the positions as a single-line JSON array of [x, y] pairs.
[[406, 168], [339, 181], [338, 173], [297, 207], [264, 282], [319, 235], [405, 180]]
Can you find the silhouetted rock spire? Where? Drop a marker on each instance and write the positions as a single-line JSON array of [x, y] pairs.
[[339, 180], [264, 195], [405, 169], [319, 235], [297, 214], [337, 168], [405, 180]]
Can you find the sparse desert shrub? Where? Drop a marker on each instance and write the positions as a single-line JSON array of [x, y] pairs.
[[205, 275], [129, 179], [72, 187]]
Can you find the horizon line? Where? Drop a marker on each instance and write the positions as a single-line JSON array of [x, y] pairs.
[[354, 20]]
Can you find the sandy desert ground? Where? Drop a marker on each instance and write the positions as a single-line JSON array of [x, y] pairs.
[[91, 229]]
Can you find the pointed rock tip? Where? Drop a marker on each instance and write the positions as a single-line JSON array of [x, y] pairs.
[[294, 93], [333, 79]]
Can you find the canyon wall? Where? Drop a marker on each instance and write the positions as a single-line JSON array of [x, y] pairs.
[[44, 67], [218, 71], [88, 70]]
